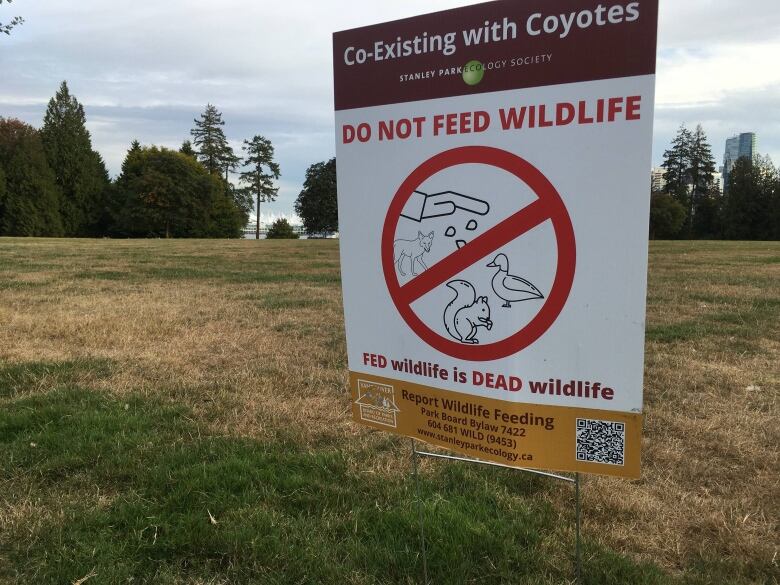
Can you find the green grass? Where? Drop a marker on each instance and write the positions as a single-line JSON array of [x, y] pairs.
[[19, 378], [146, 385], [747, 321], [126, 489]]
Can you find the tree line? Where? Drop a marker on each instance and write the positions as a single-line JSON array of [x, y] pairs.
[[54, 183], [692, 205]]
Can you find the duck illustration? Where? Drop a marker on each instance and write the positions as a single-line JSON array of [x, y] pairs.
[[510, 288]]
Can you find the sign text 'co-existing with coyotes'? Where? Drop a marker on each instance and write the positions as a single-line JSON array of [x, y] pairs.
[[493, 205]]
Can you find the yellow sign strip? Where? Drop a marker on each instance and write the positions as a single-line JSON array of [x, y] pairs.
[[536, 436]]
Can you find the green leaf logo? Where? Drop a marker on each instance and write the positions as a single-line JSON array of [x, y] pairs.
[[473, 72]]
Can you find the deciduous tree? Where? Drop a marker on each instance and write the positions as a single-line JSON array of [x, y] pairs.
[[7, 27], [164, 193], [281, 229], [317, 204], [666, 216]]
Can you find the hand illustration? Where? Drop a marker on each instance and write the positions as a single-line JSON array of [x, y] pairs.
[[425, 206]]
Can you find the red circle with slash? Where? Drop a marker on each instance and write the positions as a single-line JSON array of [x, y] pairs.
[[547, 206]]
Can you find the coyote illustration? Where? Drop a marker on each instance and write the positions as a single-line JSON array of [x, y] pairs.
[[412, 249]]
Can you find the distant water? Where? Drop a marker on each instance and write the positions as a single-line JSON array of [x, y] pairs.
[[251, 236]]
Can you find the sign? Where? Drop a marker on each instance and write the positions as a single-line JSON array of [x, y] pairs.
[[493, 205], [548, 206]]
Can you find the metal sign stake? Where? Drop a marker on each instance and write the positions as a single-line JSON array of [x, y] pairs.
[[420, 513], [577, 508]]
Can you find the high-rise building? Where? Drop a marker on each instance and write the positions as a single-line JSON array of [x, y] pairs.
[[739, 145], [657, 181], [717, 181]]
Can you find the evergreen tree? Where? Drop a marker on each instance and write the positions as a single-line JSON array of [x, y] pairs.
[[689, 168], [2, 191], [676, 163], [750, 200], [79, 171], [702, 199], [230, 162], [29, 197], [766, 229], [317, 203], [261, 174], [186, 148], [135, 147], [774, 211], [209, 140], [281, 230], [707, 215]]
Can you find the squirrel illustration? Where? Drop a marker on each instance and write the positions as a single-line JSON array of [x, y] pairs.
[[466, 312]]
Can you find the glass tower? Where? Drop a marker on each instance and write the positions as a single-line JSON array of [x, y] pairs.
[[740, 145]]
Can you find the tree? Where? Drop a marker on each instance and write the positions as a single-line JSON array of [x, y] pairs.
[[227, 219], [230, 162], [707, 214], [165, 193], [317, 203], [281, 229], [774, 212], [689, 172], [676, 160], [29, 197], [78, 169], [186, 148], [749, 207], [701, 191], [8, 26], [667, 216], [261, 174], [209, 140], [214, 152], [135, 147]]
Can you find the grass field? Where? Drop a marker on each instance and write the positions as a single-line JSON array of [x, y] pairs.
[[177, 412]]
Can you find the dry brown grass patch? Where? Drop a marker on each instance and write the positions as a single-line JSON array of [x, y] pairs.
[[265, 356]]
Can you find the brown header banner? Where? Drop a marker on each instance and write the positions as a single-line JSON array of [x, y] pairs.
[[495, 46]]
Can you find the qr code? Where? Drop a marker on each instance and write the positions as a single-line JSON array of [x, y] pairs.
[[601, 441]]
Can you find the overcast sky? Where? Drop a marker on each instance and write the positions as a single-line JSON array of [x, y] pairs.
[[144, 70]]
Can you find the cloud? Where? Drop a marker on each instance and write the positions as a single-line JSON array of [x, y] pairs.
[[738, 111], [686, 76], [146, 70], [726, 87], [697, 24]]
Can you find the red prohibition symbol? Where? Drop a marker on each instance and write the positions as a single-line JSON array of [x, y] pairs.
[[547, 206]]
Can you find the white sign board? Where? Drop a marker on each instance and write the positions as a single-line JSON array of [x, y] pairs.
[[493, 208]]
